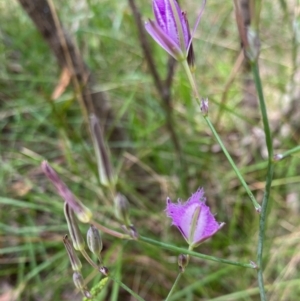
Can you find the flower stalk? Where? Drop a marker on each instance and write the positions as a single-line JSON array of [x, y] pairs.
[[179, 250], [230, 160]]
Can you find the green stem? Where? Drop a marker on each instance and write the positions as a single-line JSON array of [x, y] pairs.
[[173, 287], [270, 172], [182, 250], [258, 85], [191, 80], [195, 90], [126, 288], [288, 153], [88, 259], [109, 231], [192, 253], [234, 167], [261, 235]]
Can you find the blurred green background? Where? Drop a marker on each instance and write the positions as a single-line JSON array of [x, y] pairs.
[[33, 261]]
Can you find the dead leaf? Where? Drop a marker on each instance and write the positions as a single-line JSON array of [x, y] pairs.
[[62, 84]]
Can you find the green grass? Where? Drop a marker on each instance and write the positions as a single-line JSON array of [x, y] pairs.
[[34, 264]]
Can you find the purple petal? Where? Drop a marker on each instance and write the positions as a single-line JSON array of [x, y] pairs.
[[175, 211], [183, 214], [159, 10], [185, 29], [188, 41], [172, 29], [164, 16], [206, 227], [164, 40]]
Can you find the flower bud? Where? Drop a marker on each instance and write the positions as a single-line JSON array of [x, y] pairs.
[[78, 281], [83, 213], [182, 262], [105, 171], [77, 239], [277, 157], [87, 294], [75, 262], [94, 240], [103, 270], [204, 106], [253, 264], [122, 209], [190, 54]]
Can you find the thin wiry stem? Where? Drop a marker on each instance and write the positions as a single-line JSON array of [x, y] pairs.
[[233, 165], [287, 153], [109, 231], [174, 286], [173, 248], [126, 288], [194, 254], [270, 171]]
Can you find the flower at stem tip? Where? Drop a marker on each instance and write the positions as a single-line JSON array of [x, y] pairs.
[[171, 29], [193, 219]]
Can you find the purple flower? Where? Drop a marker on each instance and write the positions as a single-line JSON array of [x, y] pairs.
[[193, 218], [171, 29]]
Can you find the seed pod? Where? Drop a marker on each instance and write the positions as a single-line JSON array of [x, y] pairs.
[[78, 281], [77, 239], [75, 262], [94, 240], [182, 262], [122, 209]]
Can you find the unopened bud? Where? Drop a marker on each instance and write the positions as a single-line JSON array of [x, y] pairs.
[[75, 262], [182, 262], [204, 106], [103, 270], [122, 209], [133, 232], [191, 54], [78, 281], [77, 239], [253, 264], [94, 240], [105, 171], [87, 294], [83, 213], [277, 157]]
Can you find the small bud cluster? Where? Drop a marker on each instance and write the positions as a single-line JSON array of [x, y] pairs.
[[74, 210], [76, 267], [94, 243]]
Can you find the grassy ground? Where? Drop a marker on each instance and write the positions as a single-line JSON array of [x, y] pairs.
[[34, 264]]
